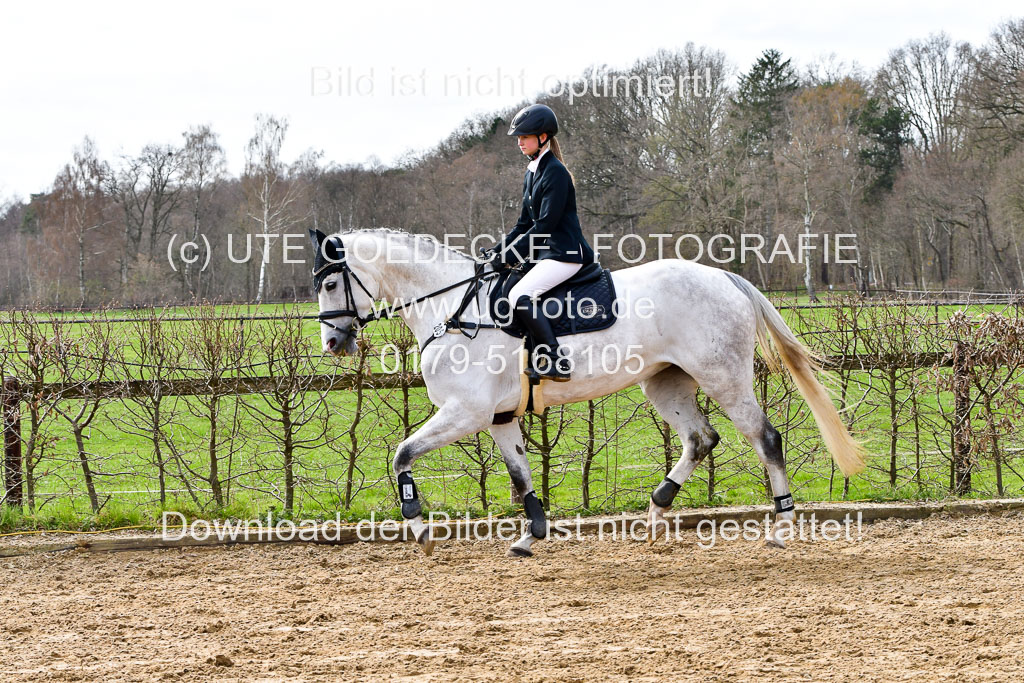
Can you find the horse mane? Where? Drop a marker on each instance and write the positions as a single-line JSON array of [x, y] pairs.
[[411, 237]]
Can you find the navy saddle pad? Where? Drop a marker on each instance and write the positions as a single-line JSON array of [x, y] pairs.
[[583, 303]]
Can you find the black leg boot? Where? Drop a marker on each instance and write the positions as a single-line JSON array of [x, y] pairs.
[[546, 361]]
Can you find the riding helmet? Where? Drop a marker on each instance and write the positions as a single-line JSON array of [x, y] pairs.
[[534, 120]]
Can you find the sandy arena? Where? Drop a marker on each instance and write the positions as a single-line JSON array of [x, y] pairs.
[[933, 600]]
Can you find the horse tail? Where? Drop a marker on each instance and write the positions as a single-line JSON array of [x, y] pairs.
[[847, 453]]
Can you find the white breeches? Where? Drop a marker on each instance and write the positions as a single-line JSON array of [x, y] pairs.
[[542, 277]]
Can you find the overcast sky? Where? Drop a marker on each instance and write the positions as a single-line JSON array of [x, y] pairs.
[[133, 73]]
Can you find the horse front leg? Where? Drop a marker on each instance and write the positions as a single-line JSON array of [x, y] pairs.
[[451, 422], [513, 451]]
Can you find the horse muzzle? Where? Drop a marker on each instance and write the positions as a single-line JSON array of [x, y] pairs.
[[341, 344]]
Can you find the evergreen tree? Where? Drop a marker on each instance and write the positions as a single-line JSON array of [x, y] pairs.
[[760, 97], [759, 108], [887, 132]]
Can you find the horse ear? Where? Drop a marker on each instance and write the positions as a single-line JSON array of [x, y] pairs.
[[317, 238], [334, 250]]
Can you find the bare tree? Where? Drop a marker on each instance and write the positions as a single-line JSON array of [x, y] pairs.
[[294, 412], [691, 171], [823, 137], [150, 350], [997, 89], [927, 79], [148, 190], [78, 196], [80, 361], [203, 165], [270, 195]]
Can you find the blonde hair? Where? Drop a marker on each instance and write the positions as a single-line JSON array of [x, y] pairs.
[[557, 151]]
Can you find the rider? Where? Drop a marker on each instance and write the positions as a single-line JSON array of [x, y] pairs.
[[547, 234]]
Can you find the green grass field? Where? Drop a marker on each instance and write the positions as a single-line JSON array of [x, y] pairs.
[[628, 449]]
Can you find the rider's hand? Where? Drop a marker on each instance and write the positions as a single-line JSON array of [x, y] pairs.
[[489, 255]]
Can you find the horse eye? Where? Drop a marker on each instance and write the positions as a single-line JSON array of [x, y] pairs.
[[330, 286]]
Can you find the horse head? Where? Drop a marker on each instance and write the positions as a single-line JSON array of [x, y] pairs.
[[346, 300]]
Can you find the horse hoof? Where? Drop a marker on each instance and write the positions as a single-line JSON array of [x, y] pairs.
[[519, 552], [656, 531], [772, 543], [426, 543], [656, 524]]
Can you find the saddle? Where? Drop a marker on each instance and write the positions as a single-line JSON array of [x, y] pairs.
[[583, 303]]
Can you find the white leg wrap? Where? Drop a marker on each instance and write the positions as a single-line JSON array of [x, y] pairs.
[[521, 548]]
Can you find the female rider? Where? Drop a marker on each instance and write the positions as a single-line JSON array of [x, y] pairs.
[[547, 234]]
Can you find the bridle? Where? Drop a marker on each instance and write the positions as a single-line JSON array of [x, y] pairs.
[[347, 275], [340, 265]]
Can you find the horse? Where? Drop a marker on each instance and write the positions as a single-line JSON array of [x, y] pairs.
[[690, 326]]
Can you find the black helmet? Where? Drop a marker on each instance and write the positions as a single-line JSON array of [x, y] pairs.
[[534, 120]]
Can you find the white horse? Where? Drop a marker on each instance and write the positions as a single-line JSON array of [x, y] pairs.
[[681, 324]]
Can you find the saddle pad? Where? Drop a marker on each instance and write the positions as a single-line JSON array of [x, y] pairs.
[[588, 309]]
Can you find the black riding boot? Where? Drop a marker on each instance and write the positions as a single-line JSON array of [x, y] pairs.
[[546, 363]]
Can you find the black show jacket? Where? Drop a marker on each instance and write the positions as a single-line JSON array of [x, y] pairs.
[[548, 226]]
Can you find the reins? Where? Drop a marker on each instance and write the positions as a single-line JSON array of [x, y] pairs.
[[453, 322]]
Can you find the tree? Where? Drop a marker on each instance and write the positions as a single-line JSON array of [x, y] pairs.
[[270, 195], [610, 159], [760, 99], [927, 79], [148, 190], [758, 118], [691, 176], [997, 89], [821, 122], [203, 166], [79, 201], [885, 130]]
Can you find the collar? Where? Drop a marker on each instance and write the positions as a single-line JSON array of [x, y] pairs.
[[532, 166]]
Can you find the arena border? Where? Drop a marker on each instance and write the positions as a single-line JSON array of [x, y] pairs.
[[688, 518]]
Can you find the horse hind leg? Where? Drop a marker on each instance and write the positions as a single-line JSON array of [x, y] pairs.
[[673, 393], [751, 421]]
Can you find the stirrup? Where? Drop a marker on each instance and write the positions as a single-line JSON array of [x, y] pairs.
[[555, 369]]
